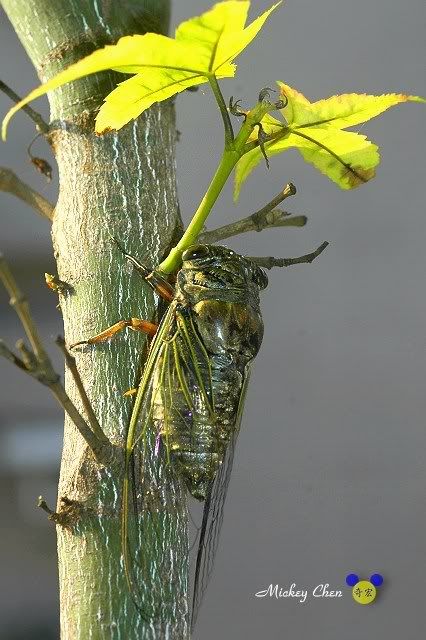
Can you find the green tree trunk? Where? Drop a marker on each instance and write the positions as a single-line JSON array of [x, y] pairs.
[[121, 184]]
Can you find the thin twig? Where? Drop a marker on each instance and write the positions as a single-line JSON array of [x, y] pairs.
[[28, 358], [9, 355], [288, 191], [69, 511], [41, 124], [10, 183], [42, 504], [70, 360], [267, 217], [269, 220], [270, 262], [38, 365], [21, 307]]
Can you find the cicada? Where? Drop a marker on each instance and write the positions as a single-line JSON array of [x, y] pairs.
[[189, 404]]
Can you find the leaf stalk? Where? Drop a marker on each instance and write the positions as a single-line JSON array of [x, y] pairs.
[[229, 131]]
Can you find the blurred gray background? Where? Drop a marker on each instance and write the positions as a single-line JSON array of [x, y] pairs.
[[329, 476]]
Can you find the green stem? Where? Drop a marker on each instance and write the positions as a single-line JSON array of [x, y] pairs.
[[232, 153], [229, 132], [227, 163]]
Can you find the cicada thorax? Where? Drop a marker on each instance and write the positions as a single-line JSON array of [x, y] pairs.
[[216, 331]]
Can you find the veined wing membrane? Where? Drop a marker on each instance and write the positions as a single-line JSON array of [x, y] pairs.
[[213, 513], [175, 393], [152, 499]]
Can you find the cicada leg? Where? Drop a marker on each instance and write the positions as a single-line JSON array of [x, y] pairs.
[[155, 280], [149, 328]]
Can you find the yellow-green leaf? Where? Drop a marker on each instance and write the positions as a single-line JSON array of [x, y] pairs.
[[232, 41], [341, 111], [315, 129], [347, 158], [203, 46], [131, 97]]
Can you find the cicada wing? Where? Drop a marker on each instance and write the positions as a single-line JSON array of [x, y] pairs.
[[153, 503], [213, 513]]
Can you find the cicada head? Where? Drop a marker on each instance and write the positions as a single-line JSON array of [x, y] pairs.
[[218, 272]]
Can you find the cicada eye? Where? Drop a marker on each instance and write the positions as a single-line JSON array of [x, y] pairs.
[[196, 252]]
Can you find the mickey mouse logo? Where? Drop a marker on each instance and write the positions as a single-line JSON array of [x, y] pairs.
[[364, 591]]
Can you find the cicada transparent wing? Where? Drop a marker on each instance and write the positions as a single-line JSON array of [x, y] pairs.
[[174, 396], [213, 515], [152, 514]]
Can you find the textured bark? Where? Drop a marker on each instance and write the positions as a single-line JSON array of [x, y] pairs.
[[121, 184]]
